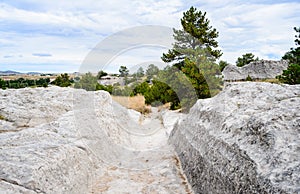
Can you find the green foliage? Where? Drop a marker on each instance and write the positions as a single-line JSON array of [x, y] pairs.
[[105, 88], [140, 72], [222, 65], [196, 33], [142, 89], [160, 93], [2, 84], [193, 54], [151, 71], [118, 91], [87, 82], [248, 78], [63, 80], [22, 83], [123, 71], [181, 85], [292, 74], [2, 118], [246, 59], [101, 74]]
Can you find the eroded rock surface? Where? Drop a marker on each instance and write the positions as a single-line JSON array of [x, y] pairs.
[[62, 140], [262, 69], [244, 140]]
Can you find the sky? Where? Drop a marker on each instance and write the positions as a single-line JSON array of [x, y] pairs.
[[59, 36]]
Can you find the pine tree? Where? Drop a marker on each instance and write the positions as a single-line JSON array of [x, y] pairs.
[[196, 33], [194, 53]]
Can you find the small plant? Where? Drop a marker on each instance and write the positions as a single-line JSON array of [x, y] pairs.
[[2, 118], [249, 78]]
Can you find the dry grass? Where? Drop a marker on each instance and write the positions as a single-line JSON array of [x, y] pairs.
[[25, 76], [135, 102], [273, 81]]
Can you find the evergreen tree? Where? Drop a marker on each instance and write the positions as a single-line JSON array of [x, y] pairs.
[[292, 74], [194, 51], [196, 33], [101, 74], [246, 59], [62, 80], [151, 71], [140, 72], [123, 71], [87, 82], [222, 65]]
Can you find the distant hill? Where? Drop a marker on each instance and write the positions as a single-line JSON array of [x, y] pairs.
[[9, 72], [33, 73]]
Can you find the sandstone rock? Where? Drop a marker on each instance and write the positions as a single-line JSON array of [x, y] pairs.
[[262, 69], [244, 140], [62, 140]]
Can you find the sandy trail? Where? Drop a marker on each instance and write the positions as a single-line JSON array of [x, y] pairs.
[[155, 169]]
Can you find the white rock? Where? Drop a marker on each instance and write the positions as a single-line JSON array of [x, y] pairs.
[[262, 69], [246, 139]]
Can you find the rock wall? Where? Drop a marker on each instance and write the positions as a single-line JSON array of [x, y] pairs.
[[244, 140], [262, 69], [50, 138], [40, 148], [63, 140]]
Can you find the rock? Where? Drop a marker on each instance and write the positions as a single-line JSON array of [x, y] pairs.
[[39, 149], [262, 69], [244, 140], [63, 140]]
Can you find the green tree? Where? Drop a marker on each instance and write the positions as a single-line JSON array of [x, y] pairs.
[[140, 72], [161, 93], [63, 80], [194, 53], [123, 71], [142, 88], [108, 88], [292, 74], [87, 82], [101, 74], [2, 84], [246, 59], [196, 33], [151, 71], [222, 65]]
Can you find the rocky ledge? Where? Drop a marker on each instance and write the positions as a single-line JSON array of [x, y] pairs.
[[244, 140], [63, 140], [262, 69]]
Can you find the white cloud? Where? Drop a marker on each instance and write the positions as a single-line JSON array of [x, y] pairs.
[[69, 29]]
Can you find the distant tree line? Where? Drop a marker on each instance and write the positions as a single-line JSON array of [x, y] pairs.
[[23, 83]]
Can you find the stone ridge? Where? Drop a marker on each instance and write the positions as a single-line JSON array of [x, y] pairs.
[[262, 69], [64, 140], [244, 140]]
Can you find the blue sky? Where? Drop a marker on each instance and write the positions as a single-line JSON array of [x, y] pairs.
[[48, 36]]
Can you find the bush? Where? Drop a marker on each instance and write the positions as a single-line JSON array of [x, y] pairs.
[[62, 80], [291, 75], [22, 83]]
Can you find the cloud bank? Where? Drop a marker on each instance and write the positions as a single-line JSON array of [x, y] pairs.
[[57, 36]]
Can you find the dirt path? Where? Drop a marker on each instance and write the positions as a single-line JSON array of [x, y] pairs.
[[154, 171]]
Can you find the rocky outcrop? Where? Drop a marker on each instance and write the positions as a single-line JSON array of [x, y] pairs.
[[244, 140], [262, 69], [63, 140], [40, 148]]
